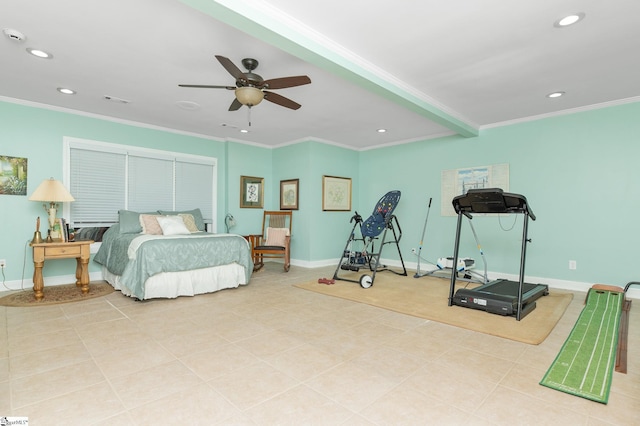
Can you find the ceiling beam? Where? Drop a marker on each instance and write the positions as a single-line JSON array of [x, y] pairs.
[[282, 31]]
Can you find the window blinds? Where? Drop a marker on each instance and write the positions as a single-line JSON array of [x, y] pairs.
[[104, 180]]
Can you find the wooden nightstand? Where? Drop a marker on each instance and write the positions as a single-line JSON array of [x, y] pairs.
[[80, 250]]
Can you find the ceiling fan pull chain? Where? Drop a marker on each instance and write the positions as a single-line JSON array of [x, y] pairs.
[[249, 116]]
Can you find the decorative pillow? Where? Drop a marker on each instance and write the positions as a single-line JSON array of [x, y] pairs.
[[172, 225], [129, 222], [150, 225], [189, 222], [196, 213], [276, 236]]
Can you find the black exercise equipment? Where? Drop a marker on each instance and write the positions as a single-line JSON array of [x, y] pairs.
[[381, 220], [502, 297]]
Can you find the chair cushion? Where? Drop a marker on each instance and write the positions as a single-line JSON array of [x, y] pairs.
[[276, 236]]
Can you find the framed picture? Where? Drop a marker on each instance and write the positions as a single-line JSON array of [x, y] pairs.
[[251, 192], [13, 175], [289, 194], [336, 193]]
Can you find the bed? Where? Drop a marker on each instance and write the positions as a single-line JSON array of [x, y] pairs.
[[147, 265]]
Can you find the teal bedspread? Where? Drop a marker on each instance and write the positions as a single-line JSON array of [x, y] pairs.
[[168, 254]]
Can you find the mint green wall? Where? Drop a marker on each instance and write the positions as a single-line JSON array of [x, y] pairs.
[[579, 173], [37, 134], [315, 231], [248, 160]]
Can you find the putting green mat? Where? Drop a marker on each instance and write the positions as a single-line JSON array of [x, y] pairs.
[[584, 366]]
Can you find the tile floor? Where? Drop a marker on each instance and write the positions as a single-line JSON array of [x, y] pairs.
[[272, 354]]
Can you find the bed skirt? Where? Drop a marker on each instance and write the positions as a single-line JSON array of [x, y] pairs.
[[187, 283]]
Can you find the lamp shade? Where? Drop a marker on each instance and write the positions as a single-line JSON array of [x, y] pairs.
[[249, 96], [51, 190]]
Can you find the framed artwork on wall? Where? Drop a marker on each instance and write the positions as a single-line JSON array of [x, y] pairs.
[[336, 193], [251, 192], [289, 194], [13, 175]]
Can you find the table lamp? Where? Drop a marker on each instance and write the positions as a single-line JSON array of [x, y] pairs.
[[53, 192]]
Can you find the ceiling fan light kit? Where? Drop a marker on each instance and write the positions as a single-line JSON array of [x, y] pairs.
[[249, 96]]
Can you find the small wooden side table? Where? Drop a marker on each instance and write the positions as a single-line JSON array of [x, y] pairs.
[[80, 250]]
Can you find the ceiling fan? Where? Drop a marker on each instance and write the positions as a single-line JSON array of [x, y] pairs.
[[251, 88]]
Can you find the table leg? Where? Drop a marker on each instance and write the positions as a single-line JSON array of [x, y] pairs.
[[82, 274], [38, 281]]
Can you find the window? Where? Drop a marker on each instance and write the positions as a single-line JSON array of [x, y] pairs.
[[105, 178]]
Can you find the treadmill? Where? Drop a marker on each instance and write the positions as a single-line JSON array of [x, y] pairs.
[[503, 297]]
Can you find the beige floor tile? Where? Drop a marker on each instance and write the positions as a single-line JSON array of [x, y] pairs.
[[459, 388], [299, 406], [213, 363], [133, 358], [485, 367], [304, 362], [39, 387], [620, 410], [48, 359], [393, 365], [81, 407], [26, 344], [154, 383], [246, 387], [403, 406], [352, 386], [199, 405], [4, 369], [505, 406], [269, 344], [5, 399], [270, 353], [199, 338]]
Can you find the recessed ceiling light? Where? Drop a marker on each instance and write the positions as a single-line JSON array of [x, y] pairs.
[[381, 130], [569, 20], [39, 53], [66, 91], [244, 131], [555, 94]]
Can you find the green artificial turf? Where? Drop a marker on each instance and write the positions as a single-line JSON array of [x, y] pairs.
[[584, 367]]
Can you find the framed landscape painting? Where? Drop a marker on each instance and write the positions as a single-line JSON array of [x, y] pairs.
[[13, 175]]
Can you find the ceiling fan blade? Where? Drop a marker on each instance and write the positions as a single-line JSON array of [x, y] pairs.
[[230, 67], [235, 105], [281, 83], [205, 86], [281, 100]]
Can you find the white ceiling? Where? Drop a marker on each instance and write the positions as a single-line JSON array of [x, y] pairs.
[[420, 69]]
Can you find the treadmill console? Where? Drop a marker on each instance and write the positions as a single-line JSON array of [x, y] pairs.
[[491, 200]]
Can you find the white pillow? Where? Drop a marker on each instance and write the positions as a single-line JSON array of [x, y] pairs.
[[172, 225]]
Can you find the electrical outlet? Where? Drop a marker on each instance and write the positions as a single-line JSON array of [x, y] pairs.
[[3, 263], [572, 264]]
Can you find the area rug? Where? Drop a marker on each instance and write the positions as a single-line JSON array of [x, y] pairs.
[[54, 295], [427, 298], [584, 366]]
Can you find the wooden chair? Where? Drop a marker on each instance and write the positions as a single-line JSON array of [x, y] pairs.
[[275, 240]]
